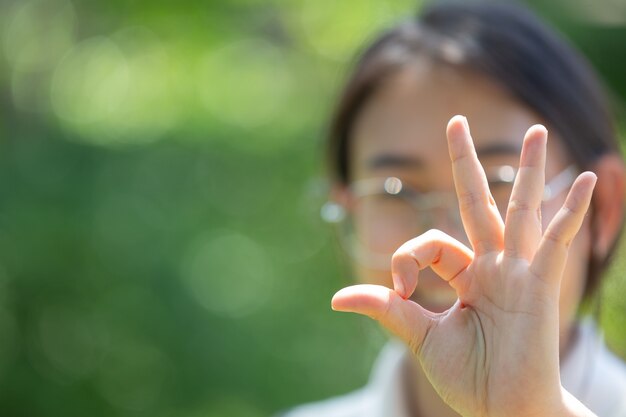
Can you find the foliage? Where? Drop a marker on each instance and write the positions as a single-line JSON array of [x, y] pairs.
[[161, 176]]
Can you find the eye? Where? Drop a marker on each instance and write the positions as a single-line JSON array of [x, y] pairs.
[[406, 188]]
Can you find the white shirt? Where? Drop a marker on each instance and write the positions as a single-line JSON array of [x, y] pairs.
[[590, 372]]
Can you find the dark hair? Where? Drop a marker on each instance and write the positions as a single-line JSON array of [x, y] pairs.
[[510, 46]]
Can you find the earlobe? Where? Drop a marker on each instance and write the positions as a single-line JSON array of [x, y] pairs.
[[608, 203]]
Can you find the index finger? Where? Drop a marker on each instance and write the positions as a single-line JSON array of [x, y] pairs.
[[481, 219]]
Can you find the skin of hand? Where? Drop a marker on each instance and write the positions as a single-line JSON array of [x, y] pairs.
[[495, 352]]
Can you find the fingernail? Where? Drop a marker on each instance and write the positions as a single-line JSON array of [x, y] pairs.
[[466, 123]]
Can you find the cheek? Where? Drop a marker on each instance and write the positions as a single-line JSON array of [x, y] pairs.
[[375, 232]]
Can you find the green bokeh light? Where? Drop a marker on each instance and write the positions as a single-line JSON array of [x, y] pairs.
[[161, 176]]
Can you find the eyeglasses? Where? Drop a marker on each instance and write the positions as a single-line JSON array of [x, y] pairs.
[[385, 212]]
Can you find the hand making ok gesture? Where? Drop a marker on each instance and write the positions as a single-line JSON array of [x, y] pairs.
[[496, 351]]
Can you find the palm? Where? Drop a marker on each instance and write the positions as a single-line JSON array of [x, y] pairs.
[[496, 349], [471, 355]]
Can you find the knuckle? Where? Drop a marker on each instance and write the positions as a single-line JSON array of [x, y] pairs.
[[568, 209], [513, 252], [468, 200], [457, 158], [557, 237], [398, 255], [435, 235], [403, 253], [517, 205]]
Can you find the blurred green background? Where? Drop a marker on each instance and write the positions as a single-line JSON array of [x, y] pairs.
[[161, 175]]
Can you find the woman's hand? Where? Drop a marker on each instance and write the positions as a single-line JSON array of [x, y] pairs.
[[496, 351]]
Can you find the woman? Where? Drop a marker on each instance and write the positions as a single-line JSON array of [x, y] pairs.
[[491, 328]]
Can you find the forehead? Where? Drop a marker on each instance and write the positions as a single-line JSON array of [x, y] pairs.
[[407, 116]]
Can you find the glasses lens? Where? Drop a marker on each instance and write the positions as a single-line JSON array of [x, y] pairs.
[[380, 223]]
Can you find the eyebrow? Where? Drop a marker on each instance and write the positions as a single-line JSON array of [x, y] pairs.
[[404, 161], [395, 161], [499, 149]]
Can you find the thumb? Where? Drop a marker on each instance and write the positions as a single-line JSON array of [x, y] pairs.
[[404, 318]]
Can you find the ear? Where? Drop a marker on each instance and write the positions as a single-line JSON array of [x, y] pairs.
[[608, 203]]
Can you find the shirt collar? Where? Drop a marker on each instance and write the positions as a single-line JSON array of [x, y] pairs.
[[387, 384]]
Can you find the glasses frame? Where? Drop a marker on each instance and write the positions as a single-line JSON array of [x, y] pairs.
[[335, 213]]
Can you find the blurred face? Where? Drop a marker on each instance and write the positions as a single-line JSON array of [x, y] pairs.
[[402, 179]]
